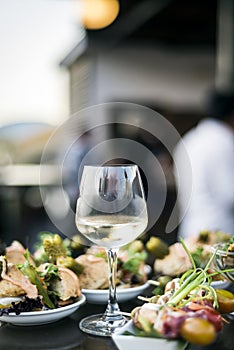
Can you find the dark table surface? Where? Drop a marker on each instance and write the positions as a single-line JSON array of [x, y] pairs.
[[66, 335]]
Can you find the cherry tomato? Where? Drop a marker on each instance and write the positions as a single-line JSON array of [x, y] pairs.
[[198, 331]]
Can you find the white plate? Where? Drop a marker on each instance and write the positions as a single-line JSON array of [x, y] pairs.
[[220, 284], [100, 296], [126, 342], [33, 318]]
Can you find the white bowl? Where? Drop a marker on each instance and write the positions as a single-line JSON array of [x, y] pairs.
[[100, 296], [222, 284], [33, 318], [126, 342]]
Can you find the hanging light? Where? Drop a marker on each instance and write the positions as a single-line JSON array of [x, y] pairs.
[[97, 14]]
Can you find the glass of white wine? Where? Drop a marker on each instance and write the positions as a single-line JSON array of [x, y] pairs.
[[111, 212]]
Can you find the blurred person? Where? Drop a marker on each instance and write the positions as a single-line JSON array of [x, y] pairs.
[[210, 146]]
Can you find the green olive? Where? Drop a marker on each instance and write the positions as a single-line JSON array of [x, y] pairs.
[[225, 301], [163, 280], [198, 331], [157, 247]]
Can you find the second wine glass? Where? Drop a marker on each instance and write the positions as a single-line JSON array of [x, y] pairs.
[[111, 212]]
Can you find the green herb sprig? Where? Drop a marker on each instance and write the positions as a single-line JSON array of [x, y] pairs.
[[193, 280]]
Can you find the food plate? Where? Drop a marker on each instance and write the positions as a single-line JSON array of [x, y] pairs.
[[126, 342], [34, 318], [100, 296], [222, 284]]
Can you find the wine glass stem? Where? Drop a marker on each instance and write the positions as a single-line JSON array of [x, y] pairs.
[[112, 307]]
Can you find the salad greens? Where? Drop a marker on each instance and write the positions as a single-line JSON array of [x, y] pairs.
[[227, 245], [134, 260], [28, 304], [200, 257], [49, 273], [30, 271]]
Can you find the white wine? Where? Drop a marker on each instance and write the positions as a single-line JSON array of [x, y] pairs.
[[112, 231], [111, 211]]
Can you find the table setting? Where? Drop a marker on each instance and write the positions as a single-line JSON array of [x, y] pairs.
[[108, 294]]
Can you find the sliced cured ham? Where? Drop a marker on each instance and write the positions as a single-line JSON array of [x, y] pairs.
[[13, 282], [15, 253], [95, 272]]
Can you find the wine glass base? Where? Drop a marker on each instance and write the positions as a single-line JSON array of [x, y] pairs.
[[100, 326]]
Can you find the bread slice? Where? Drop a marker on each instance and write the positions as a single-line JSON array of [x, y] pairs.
[[67, 286]]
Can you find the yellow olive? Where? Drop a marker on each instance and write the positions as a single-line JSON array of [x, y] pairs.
[[157, 247], [198, 331], [163, 280], [225, 301]]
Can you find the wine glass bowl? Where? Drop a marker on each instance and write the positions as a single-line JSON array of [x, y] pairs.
[[111, 212], [224, 260]]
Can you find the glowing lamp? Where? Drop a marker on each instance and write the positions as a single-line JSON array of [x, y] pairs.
[[97, 14]]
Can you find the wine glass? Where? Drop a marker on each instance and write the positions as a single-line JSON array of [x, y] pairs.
[[111, 212]]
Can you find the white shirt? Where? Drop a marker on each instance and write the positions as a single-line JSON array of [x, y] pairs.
[[210, 147]]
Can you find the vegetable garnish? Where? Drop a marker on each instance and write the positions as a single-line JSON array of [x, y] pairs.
[[195, 280], [53, 247], [50, 247], [227, 246], [70, 263], [30, 271], [49, 274], [190, 308], [134, 260], [25, 305]]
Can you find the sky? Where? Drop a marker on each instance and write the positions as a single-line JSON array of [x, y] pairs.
[[35, 35]]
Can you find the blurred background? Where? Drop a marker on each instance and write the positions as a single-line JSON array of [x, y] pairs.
[[60, 56]]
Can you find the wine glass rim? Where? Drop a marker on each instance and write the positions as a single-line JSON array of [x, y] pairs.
[[111, 166]]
